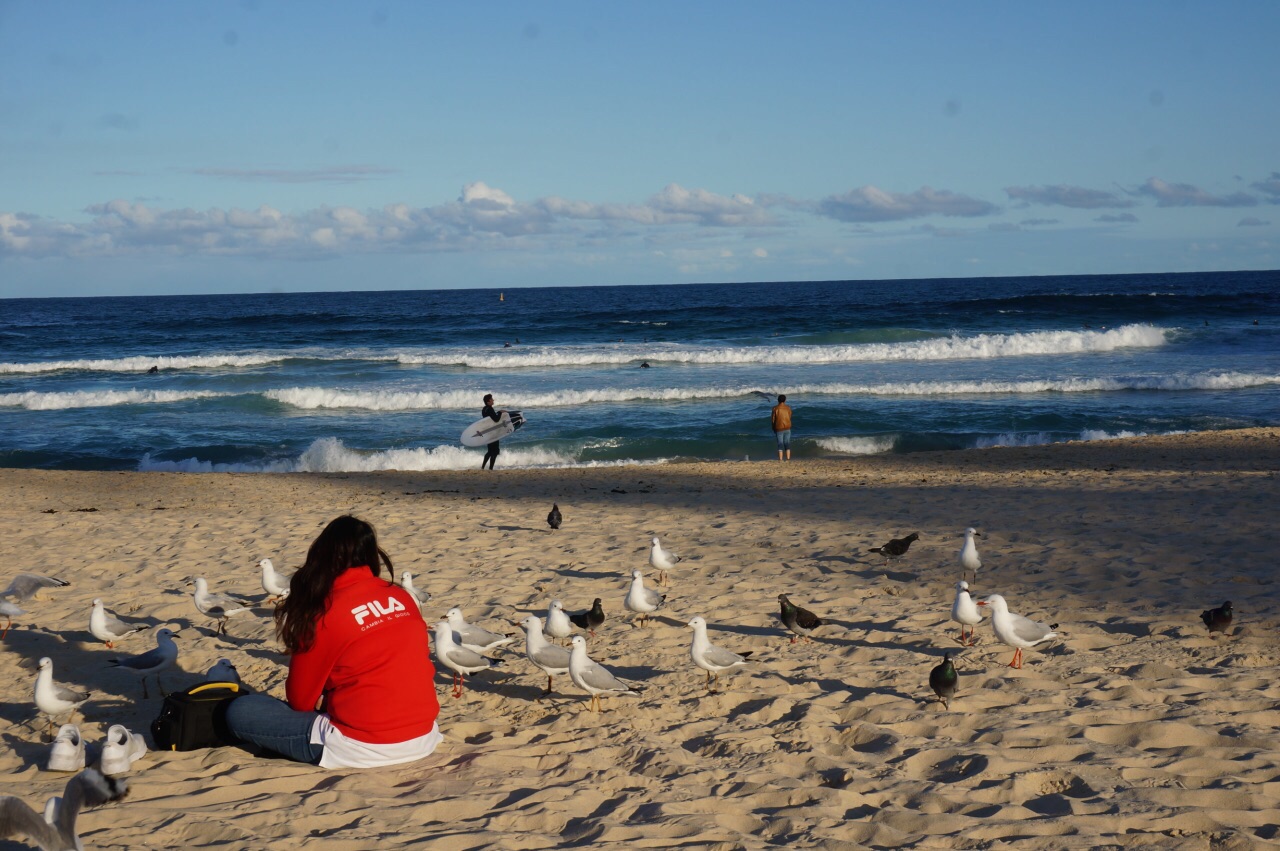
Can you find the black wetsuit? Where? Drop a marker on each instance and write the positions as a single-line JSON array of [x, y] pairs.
[[493, 450]]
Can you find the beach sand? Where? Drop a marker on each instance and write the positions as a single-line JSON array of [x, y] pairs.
[[1135, 730]]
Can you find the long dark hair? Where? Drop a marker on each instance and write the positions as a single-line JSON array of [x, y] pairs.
[[345, 543]]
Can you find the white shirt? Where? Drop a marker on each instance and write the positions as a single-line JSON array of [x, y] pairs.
[[342, 751]]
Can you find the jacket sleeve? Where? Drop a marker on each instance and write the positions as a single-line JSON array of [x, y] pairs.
[[308, 673]]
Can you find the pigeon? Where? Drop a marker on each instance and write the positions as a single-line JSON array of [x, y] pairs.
[[1217, 620], [24, 586], [554, 519], [222, 671], [663, 560], [714, 660], [108, 628], [9, 611], [457, 658], [549, 658], [965, 612], [52, 699], [472, 637], [800, 621], [589, 620], [1015, 630], [641, 600], [558, 623], [276, 586], [969, 554], [897, 547], [56, 829], [592, 677], [419, 596], [943, 679], [155, 661], [216, 606]]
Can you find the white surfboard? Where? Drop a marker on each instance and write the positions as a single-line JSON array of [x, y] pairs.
[[484, 430]]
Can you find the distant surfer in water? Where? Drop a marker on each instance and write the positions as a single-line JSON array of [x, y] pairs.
[[156, 369], [493, 450], [644, 365]]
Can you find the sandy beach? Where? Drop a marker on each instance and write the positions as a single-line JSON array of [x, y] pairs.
[[1136, 729]]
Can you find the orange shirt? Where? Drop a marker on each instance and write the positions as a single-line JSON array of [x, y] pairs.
[[781, 416]]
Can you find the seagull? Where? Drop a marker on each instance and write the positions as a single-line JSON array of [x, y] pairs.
[[549, 658], [419, 597], [459, 659], [943, 679], [222, 671], [714, 660], [1217, 620], [554, 519], [558, 623], [592, 677], [896, 547], [1015, 630], [641, 600], [52, 699], [26, 585], [663, 560], [217, 606], [965, 612], [9, 611], [108, 628], [472, 637], [154, 661], [590, 619], [969, 554], [800, 621], [56, 829], [276, 586]]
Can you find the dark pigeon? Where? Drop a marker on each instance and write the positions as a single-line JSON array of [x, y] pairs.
[[589, 620], [1217, 620], [897, 547], [800, 621], [943, 679], [554, 519]]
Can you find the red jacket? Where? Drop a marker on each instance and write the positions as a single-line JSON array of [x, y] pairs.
[[371, 662]]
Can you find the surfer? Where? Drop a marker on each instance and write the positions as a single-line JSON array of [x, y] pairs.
[[645, 365], [781, 419], [156, 369], [492, 450]]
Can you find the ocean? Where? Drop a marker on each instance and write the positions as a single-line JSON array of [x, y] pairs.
[[360, 381]]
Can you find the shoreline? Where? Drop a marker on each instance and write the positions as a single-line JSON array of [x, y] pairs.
[[1135, 729]]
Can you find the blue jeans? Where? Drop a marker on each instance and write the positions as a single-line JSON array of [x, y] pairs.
[[271, 724], [784, 439]]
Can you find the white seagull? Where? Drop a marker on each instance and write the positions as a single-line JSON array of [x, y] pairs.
[[662, 560], [969, 554], [222, 671], [459, 659], [592, 677], [406, 582], [24, 586], [1015, 630], [641, 600], [965, 612], [558, 623], [155, 661], [108, 628], [544, 655], [9, 611], [56, 829], [216, 606], [714, 660], [276, 585], [474, 638], [52, 699]]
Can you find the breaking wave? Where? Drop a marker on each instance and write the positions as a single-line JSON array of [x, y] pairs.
[[33, 401]]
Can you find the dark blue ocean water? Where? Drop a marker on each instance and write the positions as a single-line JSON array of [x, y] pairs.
[[388, 380]]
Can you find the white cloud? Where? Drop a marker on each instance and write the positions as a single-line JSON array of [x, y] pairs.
[[1067, 196], [1186, 195], [872, 204]]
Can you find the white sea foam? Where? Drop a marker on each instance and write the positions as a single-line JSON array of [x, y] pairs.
[[857, 445], [143, 363], [1043, 439], [330, 455], [33, 401]]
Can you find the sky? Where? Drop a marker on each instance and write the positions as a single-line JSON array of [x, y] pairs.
[[256, 146]]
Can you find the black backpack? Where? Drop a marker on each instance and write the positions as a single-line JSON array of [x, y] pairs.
[[194, 718]]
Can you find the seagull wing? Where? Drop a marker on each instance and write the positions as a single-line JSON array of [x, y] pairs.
[[721, 658], [1027, 629], [18, 819], [600, 679], [87, 789], [465, 658], [556, 658], [25, 585], [153, 658], [70, 695]]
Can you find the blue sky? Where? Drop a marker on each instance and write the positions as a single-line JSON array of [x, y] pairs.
[[160, 147]]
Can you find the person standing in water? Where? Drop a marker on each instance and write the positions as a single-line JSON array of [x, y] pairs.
[[492, 450], [782, 427]]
